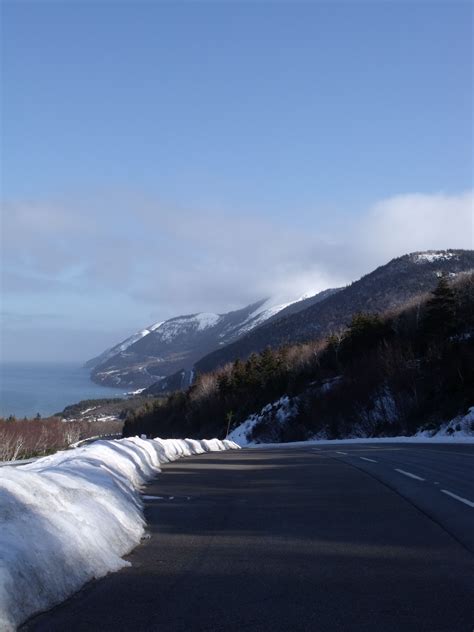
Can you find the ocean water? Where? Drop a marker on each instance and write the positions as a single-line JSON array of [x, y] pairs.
[[46, 388]]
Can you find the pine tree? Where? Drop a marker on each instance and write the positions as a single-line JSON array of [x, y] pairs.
[[440, 311], [365, 332]]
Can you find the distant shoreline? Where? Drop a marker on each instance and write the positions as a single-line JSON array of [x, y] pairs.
[[29, 388]]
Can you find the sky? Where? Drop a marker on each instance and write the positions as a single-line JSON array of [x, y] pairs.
[[164, 158]]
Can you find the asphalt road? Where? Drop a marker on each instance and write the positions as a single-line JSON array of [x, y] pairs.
[[370, 538]]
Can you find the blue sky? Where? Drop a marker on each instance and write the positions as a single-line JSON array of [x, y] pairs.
[[161, 158]]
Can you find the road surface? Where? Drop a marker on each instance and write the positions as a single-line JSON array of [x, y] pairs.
[[363, 537]]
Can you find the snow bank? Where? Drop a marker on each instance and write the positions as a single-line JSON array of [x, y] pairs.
[[71, 517], [275, 415], [461, 427], [362, 440]]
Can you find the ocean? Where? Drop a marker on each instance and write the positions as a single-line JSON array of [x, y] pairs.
[[46, 388]]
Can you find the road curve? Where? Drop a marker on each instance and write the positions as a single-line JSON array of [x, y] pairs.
[[305, 539]]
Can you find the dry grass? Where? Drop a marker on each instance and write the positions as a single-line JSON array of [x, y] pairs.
[[37, 437]]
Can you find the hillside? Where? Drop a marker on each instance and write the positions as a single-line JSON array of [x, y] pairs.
[[388, 287], [172, 347], [393, 374], [184, 378]]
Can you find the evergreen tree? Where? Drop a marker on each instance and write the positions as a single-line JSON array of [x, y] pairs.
[[440, 312], [365, 332]]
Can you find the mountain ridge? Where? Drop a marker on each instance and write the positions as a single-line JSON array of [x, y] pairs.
[[166, 356], [174, 345], [387, 287]]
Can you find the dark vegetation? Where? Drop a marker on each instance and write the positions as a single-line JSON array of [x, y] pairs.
[[383, 374]]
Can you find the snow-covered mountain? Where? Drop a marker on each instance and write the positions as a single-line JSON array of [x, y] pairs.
[[122, 346], [162, 349], [388, 287]]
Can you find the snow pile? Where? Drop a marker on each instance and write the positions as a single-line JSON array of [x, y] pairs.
[[458, 428], [270, 422], [71, 517]]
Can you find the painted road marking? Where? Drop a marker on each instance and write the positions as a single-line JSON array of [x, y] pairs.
[[345, 453], [364, 458], [467, 502], [418, 478]]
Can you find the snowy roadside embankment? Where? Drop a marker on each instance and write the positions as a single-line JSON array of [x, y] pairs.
[[267, 428], [71, 517], [270, 421]]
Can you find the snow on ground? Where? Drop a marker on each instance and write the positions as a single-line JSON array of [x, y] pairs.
[[125, 344], [260, 315], [88, 410], [71, 517], [458, 430], [275, 414], [184, 324], [335, 442], [136, 392], [461, 427], [433, 255], [156, 326], [205, 320]]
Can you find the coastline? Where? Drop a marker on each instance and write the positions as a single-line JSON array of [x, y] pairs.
[[29, 388]]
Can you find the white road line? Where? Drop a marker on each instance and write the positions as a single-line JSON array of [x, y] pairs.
[[418, 478], [467, 502], [364, 458], [345, 453]]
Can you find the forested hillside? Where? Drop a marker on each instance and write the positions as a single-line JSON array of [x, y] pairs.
[[385, 374]]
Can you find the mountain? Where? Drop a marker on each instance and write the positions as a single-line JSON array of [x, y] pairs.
[[388, 287], [399, 373], [172, 347], [122, 346], [184, 377]]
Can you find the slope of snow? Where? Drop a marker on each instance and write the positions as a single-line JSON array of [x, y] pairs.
[[206, 320], [128, 342], [270, 308], [156, 326], [71, 517], [170, 329], [260, 315]]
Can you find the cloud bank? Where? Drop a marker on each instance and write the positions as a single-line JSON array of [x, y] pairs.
[[155, 262]]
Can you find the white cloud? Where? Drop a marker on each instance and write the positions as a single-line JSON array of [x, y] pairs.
[[165, 262], [407, 223]]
